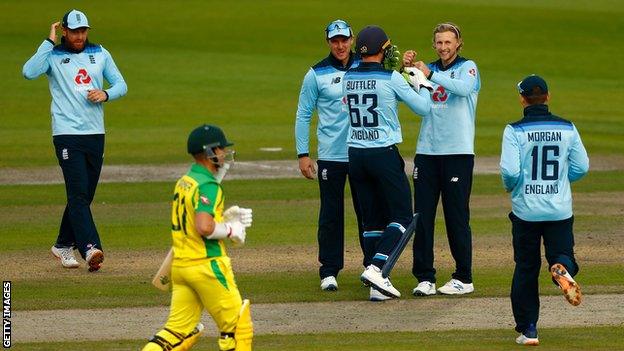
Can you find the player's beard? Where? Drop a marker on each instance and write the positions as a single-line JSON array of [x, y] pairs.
[[70, 47]]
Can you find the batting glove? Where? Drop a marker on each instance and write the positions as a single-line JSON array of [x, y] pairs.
[[236, 232], [245, 216], [235, 213], [392, 58]]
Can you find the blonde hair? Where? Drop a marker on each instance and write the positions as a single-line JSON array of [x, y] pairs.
[[448, 27]]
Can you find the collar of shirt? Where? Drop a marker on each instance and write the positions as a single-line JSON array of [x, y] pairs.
[[441, 67], [196, 167], [338, 65], [536, 110], [370, 65]]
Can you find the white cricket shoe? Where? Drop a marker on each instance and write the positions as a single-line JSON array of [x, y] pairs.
[[66, 256], [528, 337], [372, 275], [94, 258], [376, 296], [329, 283], [424, 288], [456, 287]]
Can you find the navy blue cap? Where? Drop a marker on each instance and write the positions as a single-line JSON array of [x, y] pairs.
[[371, 40], [532, 85], [75, 19]]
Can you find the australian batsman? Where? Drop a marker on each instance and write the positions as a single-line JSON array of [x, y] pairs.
[[201, 272]]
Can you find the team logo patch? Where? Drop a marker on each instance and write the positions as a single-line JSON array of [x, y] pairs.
[[204, 200], [472, 72], [440, 95], [82, 77]]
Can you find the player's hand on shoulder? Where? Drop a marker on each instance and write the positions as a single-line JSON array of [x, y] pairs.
[[306, 166]]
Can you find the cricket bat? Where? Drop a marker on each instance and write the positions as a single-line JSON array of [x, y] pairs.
[[400, 246], [162, 279]]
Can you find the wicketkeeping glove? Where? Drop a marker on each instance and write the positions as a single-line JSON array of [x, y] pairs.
[[392, 58], [416, 78]]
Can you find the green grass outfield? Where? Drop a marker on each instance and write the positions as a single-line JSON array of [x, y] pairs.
[[596, 338], [135, 217], [240, 65]]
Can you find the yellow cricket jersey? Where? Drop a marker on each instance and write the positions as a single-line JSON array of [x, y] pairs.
[[196, 191]]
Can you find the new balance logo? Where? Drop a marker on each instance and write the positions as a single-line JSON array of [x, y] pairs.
[[324, 174], [65, 60], [65, 154], [336, 80], [415, 173], [454, 180]]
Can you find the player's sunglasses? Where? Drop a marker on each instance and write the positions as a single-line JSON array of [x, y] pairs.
[[337, 25]]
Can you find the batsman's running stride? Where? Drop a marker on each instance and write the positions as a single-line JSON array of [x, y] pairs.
[[201, 272]]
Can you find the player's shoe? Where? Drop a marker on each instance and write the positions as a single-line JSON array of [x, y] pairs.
[[372, 275], [424, 288], [376, 296], [329, 283], [456, 287], [571, 289], [528, 336], [94, 258], [66, 256]]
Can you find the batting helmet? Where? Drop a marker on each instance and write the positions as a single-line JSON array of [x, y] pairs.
[[206, 137], [371, 40]]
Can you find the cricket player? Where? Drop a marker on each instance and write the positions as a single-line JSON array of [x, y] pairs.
[[201, 272], [444, 161], [541, 155], [371, 93], [76, 70], [322, 91]]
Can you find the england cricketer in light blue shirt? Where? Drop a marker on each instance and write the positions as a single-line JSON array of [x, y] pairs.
[[541, 154], [444, 161], [322, 91], [71, 75], [76, 70]]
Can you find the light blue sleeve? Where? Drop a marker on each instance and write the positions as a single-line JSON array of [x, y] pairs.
[[307, 103], [579, 161], [38, 64], [462, 85], [419, 103], [118, 87], [510, 159]]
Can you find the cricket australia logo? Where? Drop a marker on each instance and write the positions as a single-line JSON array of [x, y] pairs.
[[82, 77]]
